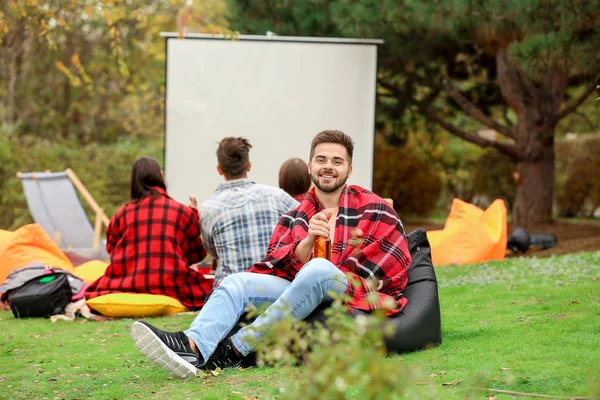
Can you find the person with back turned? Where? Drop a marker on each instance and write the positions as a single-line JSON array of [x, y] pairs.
[[239, 217]]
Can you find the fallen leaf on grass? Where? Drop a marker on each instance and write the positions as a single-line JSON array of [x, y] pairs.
[[491, 396], [433, 375], [574, 301], [452, 383], [234, 392], [442, 372], [505, 369], [138, 396], [216, 373], [420, 383], [10, 337]]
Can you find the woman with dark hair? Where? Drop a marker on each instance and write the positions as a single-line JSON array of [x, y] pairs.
[[294, 178], [152, 240]]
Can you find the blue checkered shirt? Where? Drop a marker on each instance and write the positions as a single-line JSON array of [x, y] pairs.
[[238, 221]]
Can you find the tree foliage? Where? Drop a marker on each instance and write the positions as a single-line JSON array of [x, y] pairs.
[[578, 165], [91, 69], [82, 86], [413, 183]]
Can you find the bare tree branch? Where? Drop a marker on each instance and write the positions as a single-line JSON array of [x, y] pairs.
[[505, 148], [516, 89], [474, 112], [586, 119], [577, 102]]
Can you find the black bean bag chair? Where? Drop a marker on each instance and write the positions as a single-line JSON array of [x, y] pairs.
[[418, 326]]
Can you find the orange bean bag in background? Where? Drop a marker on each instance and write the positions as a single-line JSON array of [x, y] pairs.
[[27, 244], [470, 234]]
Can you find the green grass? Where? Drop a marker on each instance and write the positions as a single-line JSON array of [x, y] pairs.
[[526, 325]]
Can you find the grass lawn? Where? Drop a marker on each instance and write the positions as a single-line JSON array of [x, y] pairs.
[[525, 325]]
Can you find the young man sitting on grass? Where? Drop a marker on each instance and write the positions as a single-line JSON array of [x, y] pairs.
[[372, 273]]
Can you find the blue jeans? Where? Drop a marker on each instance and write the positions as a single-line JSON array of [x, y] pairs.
[[229, 301]]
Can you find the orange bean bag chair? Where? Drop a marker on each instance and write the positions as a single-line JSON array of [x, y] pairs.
[[27, 244], [470, 234]]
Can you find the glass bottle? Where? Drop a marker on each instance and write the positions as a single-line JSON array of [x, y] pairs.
[[322, 247]]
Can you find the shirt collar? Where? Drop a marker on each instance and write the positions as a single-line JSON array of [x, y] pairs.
[[161, 191], [234, 184]]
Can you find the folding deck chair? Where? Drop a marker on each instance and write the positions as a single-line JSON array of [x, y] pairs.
[[54, 204]]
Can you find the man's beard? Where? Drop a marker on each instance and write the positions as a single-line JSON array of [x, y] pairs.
[[328, 189]]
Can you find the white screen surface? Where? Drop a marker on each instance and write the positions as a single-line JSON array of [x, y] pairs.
[[278, 94]]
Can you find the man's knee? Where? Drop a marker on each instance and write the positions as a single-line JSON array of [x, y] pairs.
[[320, 269], [234, 281]]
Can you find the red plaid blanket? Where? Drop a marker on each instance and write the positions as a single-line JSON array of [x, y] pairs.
[[377, 265]]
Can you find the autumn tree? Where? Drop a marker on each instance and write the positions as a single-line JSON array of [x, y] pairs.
[[91, 70], [82, 86]]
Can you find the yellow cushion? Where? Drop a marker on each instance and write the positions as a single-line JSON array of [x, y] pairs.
[[135, 305], [91, 270]]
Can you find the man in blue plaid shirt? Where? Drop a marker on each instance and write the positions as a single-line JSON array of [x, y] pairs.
[[239, 218]]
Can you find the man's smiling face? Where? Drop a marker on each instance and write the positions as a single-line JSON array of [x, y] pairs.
[[329, 167]]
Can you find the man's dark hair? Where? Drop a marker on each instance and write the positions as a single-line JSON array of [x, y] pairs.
[[145, 175], [333, 136], [294, 177], [232, 156]]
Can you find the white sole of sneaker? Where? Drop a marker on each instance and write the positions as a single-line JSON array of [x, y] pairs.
[[154, 348]]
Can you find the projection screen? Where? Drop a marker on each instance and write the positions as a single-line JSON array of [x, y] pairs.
[[278, 92]]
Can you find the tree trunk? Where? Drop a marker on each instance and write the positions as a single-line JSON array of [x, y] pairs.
[[17, 50], [536, 106], [535, 180]]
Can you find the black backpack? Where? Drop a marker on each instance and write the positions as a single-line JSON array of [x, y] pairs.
[[42, 296]]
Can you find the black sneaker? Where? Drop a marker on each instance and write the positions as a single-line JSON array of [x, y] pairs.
[[223, 357], [170, 350]]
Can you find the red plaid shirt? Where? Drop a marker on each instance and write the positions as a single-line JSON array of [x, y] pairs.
[[151, 244], [377, 267]]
